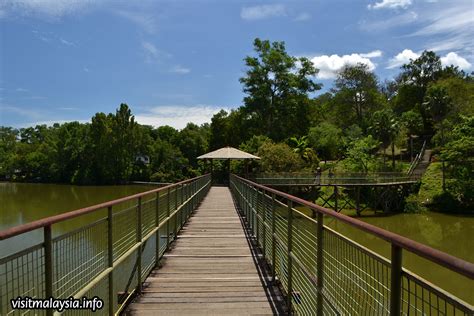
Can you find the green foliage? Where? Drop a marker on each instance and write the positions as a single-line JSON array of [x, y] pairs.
[[413, 205], [413, 121], [277, 87], [356, 95], [360, 154], [423, 70], [384, 126], [353, 121], [459, 155], [302, 148], [437, 103], [327, 139], [253, 144], [279, 158]]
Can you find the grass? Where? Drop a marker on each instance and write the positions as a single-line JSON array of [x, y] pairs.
[[431, 184]]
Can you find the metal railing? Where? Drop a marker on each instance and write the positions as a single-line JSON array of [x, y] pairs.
[[108, 257], [346, 179], [417, 160], [326, 273]]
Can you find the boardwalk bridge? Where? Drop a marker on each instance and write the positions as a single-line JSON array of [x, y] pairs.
[[359, 191], [191, 248]]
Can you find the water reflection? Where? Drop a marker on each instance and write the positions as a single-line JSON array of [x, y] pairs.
[[24, 202]]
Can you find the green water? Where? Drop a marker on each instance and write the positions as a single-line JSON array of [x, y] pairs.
[[22, 203], [25, 202], [449, 233]]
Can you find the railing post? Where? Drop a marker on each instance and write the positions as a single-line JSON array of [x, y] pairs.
[[48, 265], [175, 228], [335, 197], [139, 250], [264, 233], [289, 258], [319, 265], [358, 200], [396, 280], [168, 209], [273, 238], [110, 258], [257, 234], [157, 223]]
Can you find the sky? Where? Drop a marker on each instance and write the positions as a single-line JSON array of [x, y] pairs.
[[175, 62]]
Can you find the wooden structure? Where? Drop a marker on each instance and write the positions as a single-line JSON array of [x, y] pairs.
[[210, 270], [227, 154]]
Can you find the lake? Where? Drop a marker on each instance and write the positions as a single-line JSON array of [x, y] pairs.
[[22, 203]]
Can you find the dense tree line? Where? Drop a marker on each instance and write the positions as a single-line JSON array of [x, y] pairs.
[[281, 119]]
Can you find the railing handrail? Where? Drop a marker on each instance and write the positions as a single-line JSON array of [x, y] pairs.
[[446, 260], [47, 221], [417, 159]]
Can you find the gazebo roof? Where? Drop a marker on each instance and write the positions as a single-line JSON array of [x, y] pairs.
[[228, 153]]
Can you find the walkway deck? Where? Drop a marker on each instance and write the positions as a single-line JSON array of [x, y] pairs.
[[211, 270]]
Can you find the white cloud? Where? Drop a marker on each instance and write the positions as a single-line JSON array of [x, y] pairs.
[[448, 28], [86, 69], [143, 20], [262, 11], [395, 21], [373, 54], [153, 54], [46, 8], [177, 116], [303, 17], [449, 59], [329, 66], [448, 21], [390, 4], [454, 59], [180, 70], [402, 58], [21, 90], [67, 43]]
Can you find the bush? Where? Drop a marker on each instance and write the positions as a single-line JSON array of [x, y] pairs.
[[279, 158], [413, 205]]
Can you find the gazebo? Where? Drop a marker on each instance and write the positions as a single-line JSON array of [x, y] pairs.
[[227, 153]]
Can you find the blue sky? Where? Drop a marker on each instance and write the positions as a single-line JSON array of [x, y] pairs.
[[179, 61]]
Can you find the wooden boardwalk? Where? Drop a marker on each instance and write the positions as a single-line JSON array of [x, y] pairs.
[[211, 269]]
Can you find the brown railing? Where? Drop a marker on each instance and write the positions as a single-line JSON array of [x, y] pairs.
[[324, 272], [109, 256]]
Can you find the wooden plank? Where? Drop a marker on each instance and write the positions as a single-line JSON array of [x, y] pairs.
[[210, 269]]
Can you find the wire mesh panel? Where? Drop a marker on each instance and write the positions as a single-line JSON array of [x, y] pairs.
[[79, 256], [21, 275], [355, 281], [345, 278], [107, 256], [419, 297]]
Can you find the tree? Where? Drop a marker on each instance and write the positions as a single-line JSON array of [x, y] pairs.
[[385, 127], [192, 141], [437, 104], [458, 152], [302, 148], [219, 130], [279, 158], [414, 80], [422, 71], [277, 87], [326, 138], [356, 94], [360, 154]]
